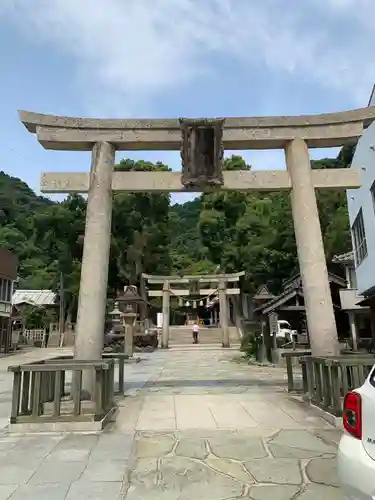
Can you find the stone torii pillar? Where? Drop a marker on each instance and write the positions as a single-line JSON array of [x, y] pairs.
[[223, 303], [318, 301], [94, 273], [166, 310]]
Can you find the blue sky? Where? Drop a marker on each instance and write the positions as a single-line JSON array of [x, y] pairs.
[[168, 58]]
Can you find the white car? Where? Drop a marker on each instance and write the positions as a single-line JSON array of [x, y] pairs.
[[356, 453]]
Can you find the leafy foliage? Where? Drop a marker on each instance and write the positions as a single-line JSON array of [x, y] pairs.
[[250, 344], [35, 317], [233, 230]]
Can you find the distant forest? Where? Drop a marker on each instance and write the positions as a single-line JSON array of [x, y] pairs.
[[236, 231]]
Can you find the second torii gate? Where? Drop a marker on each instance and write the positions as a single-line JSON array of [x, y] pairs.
[[193, 285]]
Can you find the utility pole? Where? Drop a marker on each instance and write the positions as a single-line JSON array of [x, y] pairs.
[[62, 306]]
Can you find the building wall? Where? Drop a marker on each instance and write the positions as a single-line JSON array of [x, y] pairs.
[[8, 273], [8, 264], [364, 159]]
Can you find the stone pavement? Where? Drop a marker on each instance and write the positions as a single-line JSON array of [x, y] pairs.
[[194, 425]]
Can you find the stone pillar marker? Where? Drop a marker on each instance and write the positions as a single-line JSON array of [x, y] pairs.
[[166, 308], [94, 273], [223, 313], [353, 330], [312, 261], [129, 325]]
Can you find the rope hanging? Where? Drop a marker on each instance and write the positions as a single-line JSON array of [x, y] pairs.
[[202, 301]]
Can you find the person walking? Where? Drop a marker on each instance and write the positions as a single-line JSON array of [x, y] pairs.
[[195, 333]]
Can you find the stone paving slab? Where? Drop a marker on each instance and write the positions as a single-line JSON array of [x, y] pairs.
[[179, 465], [193, 425]]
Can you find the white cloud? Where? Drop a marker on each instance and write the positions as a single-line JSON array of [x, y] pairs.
[[140, 48]]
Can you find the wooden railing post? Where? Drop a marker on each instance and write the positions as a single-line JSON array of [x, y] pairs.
[[355, 376], [289, 372], [326, 386], [344, 380], [318, 383], [16, 394], [305, 385], [336, 389], [98, 393], [77, 392], [310, 378], [57, 394], [25, 393], [121, 375], [37, 393], [289, 357], [111, 385]]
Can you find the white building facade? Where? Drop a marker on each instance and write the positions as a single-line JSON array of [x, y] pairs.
[[361, 206]]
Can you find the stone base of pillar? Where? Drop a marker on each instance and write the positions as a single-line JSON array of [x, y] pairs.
[[262, 353], [128, 342]]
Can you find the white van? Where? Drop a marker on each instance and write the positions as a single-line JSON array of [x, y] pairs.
[[284, 330]]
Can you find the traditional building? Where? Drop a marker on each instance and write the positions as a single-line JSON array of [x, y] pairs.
[[39, 298], [8, 274], [290, 304]]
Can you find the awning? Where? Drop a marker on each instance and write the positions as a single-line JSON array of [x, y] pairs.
[[366, 301]]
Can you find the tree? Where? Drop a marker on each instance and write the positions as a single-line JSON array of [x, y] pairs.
[[234, 230], [35, 317], [254, 232], [140, 231]]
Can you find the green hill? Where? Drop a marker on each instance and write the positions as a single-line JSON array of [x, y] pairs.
[[236, 231]]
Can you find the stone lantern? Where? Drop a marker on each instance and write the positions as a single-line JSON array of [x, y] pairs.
[[128, 303], [115, 316]]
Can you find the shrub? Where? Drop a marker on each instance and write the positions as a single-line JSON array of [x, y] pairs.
[[250, 344]]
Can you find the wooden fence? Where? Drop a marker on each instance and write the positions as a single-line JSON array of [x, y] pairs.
[[35, 337], [39, 391], [118, 358], [290, 358], [326, 380]]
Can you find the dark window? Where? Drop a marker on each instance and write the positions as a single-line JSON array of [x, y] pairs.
[[5, 290], [9, 291], [359, 237]]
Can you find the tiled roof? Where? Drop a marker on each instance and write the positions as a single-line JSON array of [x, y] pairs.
[[263, 293], [35, 297]]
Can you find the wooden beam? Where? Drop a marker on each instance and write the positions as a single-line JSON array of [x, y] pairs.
[[292, 308]]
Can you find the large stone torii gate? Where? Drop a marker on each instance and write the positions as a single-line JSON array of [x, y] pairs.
[[294, 134]]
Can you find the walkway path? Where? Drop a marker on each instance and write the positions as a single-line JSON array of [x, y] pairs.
[[194, 425]]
